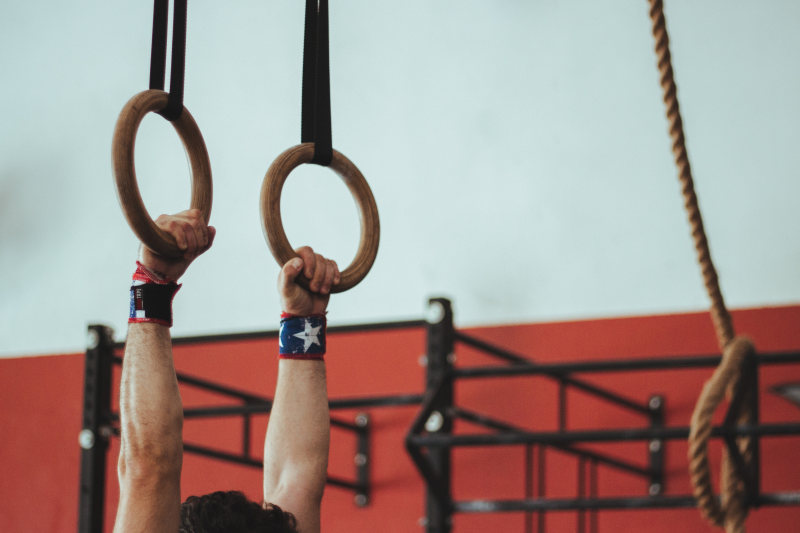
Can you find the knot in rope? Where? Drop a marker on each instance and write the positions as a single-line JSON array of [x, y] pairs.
[[727, 380]]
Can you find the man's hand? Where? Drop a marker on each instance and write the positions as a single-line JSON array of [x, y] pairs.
[[322, 272], [193, 237]]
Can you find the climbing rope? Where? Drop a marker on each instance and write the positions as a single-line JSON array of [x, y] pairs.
[[728, 378]]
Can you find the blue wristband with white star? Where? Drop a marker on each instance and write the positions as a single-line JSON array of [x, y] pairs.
[[302, 337]]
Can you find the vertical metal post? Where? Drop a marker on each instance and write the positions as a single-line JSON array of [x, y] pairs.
[[581, 494], [541, 485], [656, 446], [362, 460], [440, 343], [750, 371], [95, 430], [528, 486], [562, 405], [593, 494]]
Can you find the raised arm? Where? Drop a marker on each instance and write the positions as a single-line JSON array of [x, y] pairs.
[[298, 435], [151, 413]]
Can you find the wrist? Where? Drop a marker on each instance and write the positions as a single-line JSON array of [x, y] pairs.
[[147, 272], [302, 337], [161, 268], [151, 297]]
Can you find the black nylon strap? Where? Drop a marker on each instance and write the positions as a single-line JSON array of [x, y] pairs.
[[316, 107], [158, 48], [152, 300], [158, 55]]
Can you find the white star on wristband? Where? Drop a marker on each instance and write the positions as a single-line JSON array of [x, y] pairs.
[[309, 336]]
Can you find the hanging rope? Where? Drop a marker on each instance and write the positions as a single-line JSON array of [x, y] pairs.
[[719, 314], [728, 377]]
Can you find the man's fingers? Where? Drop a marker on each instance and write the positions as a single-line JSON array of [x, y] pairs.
[[289, 291], [194, 223], [309, 260], [330, 276], [337, 275], [175, 228], [201, 236], [201, 229], [212, 232], [320, 272], [191, 238], [290, 271]]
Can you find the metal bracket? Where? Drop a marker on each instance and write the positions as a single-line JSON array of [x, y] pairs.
[[656, 446], [362, 460]]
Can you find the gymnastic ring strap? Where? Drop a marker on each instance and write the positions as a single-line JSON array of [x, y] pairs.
[[122, 150], [316, 108], [158, 55], [271, 212]]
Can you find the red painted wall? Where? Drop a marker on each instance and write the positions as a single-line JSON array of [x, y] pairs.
[[41, 411]]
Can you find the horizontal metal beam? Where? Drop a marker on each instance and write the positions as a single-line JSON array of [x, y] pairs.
[[272, 334], [491, 349], [619, 365], [222, 455], [376, 401], [604, 459], [587, 504], [218, 388], [258, 463], [262, 407], [221, 411], [608, 435], [519, 361]]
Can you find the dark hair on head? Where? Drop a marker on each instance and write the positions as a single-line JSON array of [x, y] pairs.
[[232, 512]]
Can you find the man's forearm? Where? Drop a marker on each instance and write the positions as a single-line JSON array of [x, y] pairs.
[[151, 413], [298, 435]]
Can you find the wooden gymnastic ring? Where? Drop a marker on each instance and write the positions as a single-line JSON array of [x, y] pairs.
[[122, 150], [271, 212]]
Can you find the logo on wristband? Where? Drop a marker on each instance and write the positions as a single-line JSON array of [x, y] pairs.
[[303, 336]]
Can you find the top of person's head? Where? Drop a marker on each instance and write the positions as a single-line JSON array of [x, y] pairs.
[[232, 512]]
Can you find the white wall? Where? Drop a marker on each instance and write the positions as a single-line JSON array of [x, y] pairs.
[[517, 151]]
